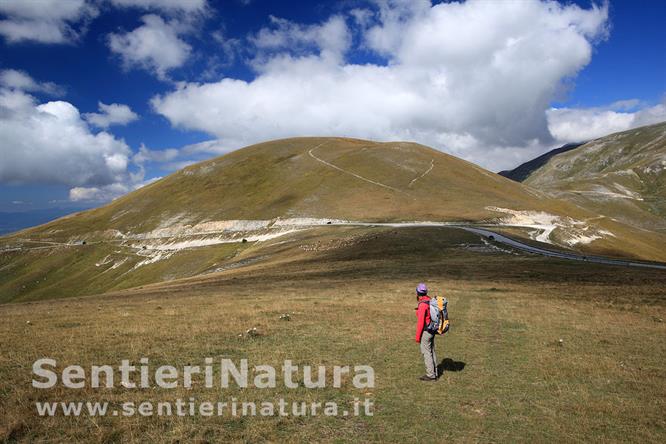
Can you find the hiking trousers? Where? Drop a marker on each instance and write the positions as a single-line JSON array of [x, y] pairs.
[[428, 352]]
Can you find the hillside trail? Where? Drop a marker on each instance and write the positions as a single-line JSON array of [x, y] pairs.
[[328, 164], [432, 165], [358, 176]]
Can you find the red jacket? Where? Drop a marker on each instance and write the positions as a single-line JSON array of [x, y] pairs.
[[422, 316]]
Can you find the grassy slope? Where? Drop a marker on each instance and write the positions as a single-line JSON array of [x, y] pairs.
[[513, 381], [633, 160], [279, 179], [72, 270]]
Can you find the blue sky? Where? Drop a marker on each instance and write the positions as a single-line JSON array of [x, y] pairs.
[[496, 83], [631, 63]]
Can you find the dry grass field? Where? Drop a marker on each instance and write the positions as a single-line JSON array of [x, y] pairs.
[[539, 350]]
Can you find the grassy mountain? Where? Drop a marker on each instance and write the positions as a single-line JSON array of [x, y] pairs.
[[289, 178], [523, 171], [221, 214], [622, 176]]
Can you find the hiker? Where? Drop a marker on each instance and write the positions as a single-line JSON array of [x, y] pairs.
[[423, 336]]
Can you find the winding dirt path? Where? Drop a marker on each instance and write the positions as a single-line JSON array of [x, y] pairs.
[[365, 179], [432, 165]]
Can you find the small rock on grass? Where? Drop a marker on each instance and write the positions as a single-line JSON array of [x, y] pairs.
[[252, 332]]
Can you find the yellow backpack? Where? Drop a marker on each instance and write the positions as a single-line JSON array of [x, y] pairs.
[[439, 315], [444, 324]]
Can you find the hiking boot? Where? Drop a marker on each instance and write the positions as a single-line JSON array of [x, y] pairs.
[[427, 378]]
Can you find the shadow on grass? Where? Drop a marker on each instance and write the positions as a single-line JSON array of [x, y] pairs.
[[449, 365]]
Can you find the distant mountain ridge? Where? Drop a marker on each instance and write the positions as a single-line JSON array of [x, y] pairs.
[[523, 171], [621, 176]]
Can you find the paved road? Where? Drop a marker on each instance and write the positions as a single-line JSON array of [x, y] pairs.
[[558, 254], [496, 237]]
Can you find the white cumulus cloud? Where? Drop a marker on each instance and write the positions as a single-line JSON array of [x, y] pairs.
[[331, 39], [113, 114], [105, 193], [20, 80], [45, 21], [155, 46], [475, 78], [583, 124], [172, 159], [163, 5], [50, 143]]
